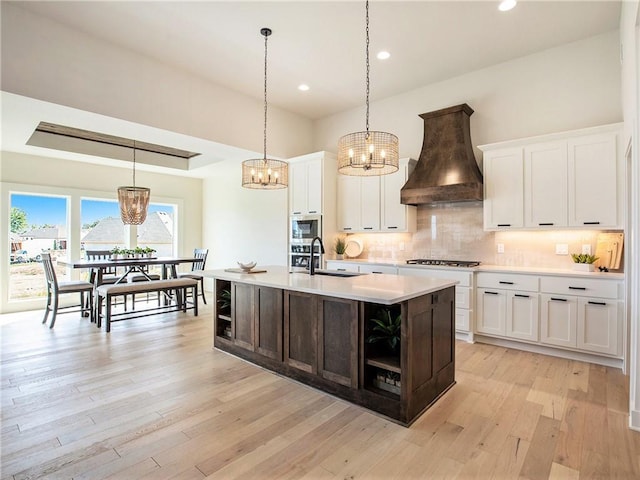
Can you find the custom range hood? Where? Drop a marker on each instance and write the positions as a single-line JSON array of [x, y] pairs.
[[446, 170]]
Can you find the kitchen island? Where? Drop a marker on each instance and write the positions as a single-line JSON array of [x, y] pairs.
[[315, 329]]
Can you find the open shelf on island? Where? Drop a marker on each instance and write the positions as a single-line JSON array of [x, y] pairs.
[[225, 317], [391, 364]]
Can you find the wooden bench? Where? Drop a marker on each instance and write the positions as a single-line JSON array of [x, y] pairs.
[[180, 286]]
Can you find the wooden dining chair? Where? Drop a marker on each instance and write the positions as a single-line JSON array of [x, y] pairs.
[[197, 268], [109, 275], [55, 289]]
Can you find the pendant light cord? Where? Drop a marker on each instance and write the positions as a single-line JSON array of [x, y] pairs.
[[266, 36], [367, 31], [134, 164]]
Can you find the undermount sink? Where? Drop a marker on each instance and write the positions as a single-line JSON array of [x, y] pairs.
[[336, 273]]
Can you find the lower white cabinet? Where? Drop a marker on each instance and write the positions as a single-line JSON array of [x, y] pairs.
[[598, 325], [505, 312], [341, 266], [558, 320], [369, 268]]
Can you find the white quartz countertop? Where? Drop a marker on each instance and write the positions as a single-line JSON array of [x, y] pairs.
[[374, 288], [492, 268]]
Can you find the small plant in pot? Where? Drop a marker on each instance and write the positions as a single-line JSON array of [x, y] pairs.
[[117, 253], [339, 246], [148, 251], [584, 262], [225, 300], [386, 330]]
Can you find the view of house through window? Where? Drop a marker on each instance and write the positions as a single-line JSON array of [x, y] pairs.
[[39, 224]]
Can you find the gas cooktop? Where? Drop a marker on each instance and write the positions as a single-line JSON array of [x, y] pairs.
[[445, 263]]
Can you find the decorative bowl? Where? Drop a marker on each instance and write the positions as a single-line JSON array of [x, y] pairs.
[[247, 266]]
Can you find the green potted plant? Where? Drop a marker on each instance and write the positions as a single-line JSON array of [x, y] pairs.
[[339, 246], [117, 253], [148, 251], [386, 330], [584, 262]]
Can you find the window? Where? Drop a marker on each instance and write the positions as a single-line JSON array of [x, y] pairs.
[[38, 224]]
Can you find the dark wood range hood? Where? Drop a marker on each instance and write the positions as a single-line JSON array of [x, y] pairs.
[[447, 170]]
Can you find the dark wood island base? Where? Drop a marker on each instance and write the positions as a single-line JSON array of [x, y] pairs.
[[321, 341]]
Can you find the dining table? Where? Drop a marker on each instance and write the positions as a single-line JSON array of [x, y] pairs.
[[130, 265]]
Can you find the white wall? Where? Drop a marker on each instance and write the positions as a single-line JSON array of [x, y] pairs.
[[48, 175], [565, 88], [630, 40], [242, 224], [45, 60]]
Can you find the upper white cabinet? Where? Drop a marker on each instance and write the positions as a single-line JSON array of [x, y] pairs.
[[372, 204], [571, 179], [306, 186], [503, 188]]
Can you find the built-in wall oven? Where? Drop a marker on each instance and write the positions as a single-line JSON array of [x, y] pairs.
[[302, 230]]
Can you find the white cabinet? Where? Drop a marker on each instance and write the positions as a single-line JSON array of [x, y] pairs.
[[372, 204], [582, 313], [593, 177], [305, 187], [571, 179], [545, 185], [503, 189], [396, 217], [369, 268], [342, 266], [507, 305]]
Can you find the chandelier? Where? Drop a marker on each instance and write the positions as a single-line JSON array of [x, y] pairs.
[[133, 200], [370, 152], [265, 173]]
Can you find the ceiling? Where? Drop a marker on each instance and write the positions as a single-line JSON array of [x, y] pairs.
[[322, 43], [319, 43]]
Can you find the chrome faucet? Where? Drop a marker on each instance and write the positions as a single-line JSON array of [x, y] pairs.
[[312, 263]]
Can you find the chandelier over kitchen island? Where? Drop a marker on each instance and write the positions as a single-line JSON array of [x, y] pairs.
[[265, 173], [370, 152]]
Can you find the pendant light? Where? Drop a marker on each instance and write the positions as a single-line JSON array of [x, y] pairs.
[[370, 152], [265, 173], [133, 201]]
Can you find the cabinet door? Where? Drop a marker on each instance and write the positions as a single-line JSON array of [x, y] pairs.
[[242, 314], [314, 187], [522, 315], [593, 177], [558, 320], [349, 203], [370, 203], [491, 311], [545, 185], [301, 331], [598, 325], [503, 189], [268, 322], [298, 188], [394, 213], [338, 340]]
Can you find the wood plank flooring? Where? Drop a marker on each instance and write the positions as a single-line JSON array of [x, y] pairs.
[[152, 400]]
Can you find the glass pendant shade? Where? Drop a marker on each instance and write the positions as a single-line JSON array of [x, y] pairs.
[[368, 153], [134, 202], [264, 174]]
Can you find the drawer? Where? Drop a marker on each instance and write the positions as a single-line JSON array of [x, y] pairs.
[[464, 297], [508, 281], [465, 279], [378, 269], [342, 267], [584, 287]]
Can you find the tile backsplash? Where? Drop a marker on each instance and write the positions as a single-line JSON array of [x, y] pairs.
[[455, 231]]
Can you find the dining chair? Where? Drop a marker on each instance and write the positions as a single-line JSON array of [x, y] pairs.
[[197, 268], [55, 289], [109, 274]]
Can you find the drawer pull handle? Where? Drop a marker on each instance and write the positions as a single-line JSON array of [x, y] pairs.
[[368, 228], [577, 288], [346, 228], [591, 223], [342, 269], [597, 303], [546, 224], [505, 283], [558, 299], [491, 293], [313, 211], [376, 272], [521, 296], [504, 224], [391, 228]]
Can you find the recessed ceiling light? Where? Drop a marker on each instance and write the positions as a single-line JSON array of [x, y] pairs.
[[303, 87], [506, 5], [383, 55]]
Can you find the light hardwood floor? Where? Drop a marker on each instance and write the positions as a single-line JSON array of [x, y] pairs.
[[152, 400]]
